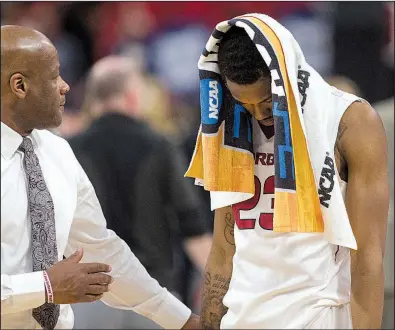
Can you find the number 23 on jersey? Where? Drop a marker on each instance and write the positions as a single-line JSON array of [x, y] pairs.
[[244, 218]]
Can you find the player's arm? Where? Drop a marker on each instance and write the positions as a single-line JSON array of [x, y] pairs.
[[218, 269], [362, 142]]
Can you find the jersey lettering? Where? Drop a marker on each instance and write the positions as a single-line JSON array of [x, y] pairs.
[[263, 158], [265, 219]]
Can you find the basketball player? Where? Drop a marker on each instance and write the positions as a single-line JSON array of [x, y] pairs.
[[257, 278]]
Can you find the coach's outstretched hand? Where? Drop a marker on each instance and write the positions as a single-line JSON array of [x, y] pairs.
[[75, 282]]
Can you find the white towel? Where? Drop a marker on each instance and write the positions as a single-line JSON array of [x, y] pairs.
[[314, 103]]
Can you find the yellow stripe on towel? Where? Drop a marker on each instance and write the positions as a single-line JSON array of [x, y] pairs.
[[299, 212], [220, 170]]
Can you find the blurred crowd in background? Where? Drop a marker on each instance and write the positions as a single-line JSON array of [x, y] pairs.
[[350, 44]]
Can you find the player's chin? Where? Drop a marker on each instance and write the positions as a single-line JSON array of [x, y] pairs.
[[267, 122]]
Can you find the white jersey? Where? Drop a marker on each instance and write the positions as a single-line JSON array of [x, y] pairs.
[[283, 280]]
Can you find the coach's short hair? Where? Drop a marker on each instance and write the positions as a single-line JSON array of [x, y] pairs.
[[238, 58]]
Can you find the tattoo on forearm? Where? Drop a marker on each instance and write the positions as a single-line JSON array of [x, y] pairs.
[[207, 278], [215, 288], [229, 231]]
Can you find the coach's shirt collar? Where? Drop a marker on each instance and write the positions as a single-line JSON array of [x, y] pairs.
[[11, 140]]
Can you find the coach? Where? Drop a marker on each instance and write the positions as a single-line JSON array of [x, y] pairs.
[[50, 209]]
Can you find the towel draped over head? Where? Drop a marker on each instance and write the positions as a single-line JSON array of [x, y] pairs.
[[307, 190]]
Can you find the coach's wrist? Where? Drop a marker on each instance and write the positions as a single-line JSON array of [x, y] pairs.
[[48, 288]]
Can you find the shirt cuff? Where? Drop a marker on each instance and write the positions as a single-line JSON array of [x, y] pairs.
[[28, 289], [172, 313]]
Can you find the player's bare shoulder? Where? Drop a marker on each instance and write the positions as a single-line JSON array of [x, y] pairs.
[[360, 127]]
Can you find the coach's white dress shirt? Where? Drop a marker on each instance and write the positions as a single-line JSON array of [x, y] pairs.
[[79, 222]]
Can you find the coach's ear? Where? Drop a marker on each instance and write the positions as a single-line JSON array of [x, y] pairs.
[[18, 85]]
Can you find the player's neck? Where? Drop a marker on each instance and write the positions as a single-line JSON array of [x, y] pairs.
[[267, 130]]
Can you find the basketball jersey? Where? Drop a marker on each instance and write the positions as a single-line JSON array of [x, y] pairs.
[[283, 280]]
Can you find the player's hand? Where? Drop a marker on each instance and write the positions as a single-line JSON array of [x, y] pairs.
[[193, 322], [74, 282]]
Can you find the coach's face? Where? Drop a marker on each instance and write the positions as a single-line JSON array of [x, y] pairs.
[[256, 98], [49, 91], [43, 90]]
